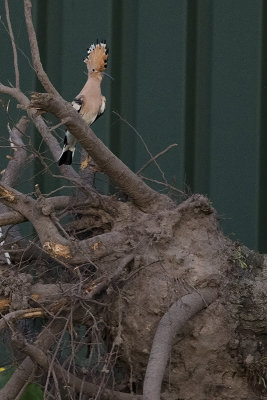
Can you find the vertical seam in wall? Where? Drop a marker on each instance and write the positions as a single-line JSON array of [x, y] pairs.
[[203, 96], [123, 47], [116, 48], [190, 92], [262, 209]]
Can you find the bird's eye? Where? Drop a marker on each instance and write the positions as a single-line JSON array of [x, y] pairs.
[[93, 70]]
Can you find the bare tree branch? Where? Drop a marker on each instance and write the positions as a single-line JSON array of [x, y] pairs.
[[22, 374], [170, 324], [47, 338], [38, 356], [28, 207], [41, 294], [53, 145], [52, 241], [14, 92], [20, 314], [51, 293], [11, 218], [166, 185], [96, 287], [41, 74], [142, 195], [15, 54], [99, 246], [15, 165], [12, 172], [48, 205], [155, 158]]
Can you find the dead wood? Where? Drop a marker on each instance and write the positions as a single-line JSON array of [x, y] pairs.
[[169, 326], [67, 378], [14, 48], [52, 143], [11, 173], [27, 367], [41, 74], [20, 314], [47, 337], [143, 196], [19, 158]]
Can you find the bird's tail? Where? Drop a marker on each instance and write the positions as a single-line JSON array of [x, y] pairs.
[[66, 157], [68, 149]]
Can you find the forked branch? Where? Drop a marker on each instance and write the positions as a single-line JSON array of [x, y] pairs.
[[142, 195]]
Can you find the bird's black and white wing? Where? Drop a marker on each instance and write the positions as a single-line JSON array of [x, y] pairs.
[[69, 140]]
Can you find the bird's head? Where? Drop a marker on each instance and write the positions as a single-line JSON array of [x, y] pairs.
[[97, 58]]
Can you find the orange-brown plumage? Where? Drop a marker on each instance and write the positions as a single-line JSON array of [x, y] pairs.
[[90, 102], [97, 57]]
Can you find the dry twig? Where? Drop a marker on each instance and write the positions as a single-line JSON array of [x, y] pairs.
[[39, 357], [15, 54], [20, 314], [41, 74]]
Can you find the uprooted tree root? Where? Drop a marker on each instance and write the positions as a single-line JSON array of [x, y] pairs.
[[175, 262]]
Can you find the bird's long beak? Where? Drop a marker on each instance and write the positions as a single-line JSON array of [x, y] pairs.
[[105, 73]]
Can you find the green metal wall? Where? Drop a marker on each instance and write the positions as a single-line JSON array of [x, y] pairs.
[[191, 72]]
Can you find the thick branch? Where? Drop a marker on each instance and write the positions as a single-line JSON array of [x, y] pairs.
[[52, 241], [142, 195], [15, 55], [49, 293], [11, 218], [28, 208], [20, 314], [99, 246], [49, 205], [170, 324]]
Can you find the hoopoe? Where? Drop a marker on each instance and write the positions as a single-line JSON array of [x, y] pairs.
[[89, 102]]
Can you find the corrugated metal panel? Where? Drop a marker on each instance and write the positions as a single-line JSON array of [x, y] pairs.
[[186, 72], [262, 216], [161, 84], [235, 115]]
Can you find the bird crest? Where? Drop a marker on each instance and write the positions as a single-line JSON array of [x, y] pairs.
[[96, 60]]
